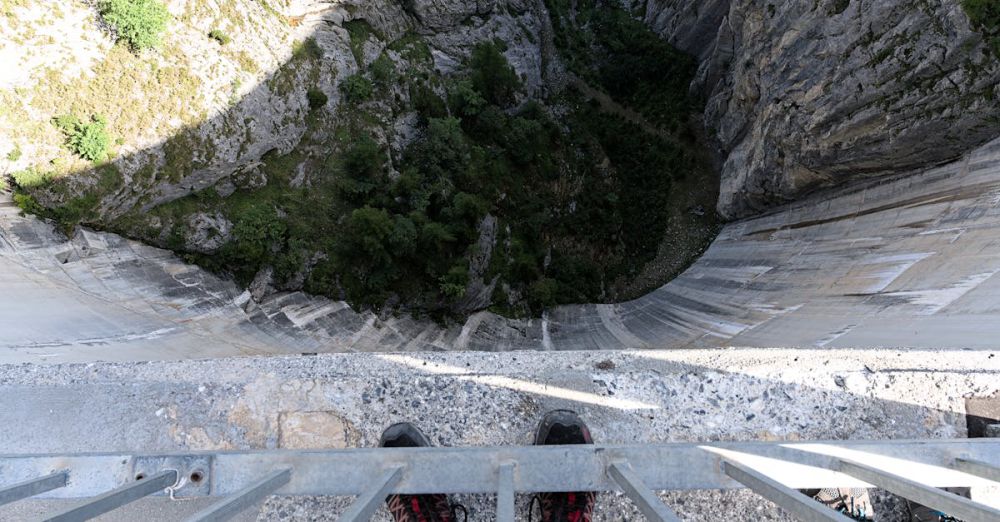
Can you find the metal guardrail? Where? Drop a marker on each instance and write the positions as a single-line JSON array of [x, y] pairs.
[[774, 470]]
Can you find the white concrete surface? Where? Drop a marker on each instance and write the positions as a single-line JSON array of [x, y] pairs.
[[470, 399]]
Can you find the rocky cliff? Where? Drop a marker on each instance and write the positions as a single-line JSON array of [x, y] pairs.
[[197, 111], [809, 94]]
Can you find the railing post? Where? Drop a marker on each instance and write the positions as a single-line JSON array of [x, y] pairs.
[[366, 503], [241, 500], [632, 485], [799, 505], [30, 488], [116, 498], [505, 492], [950, 503]]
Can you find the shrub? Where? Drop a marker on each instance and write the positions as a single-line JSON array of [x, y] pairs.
[[219, 36], [88, 139], [383, 71], [492, 75], [453, 283], [985, 17], [31, 178], [426, 102], [28, 204], [307, 48], [14, 154], [356, 88], [256, 232], [360, 170], [464, 99], [140, 23], [317, 99]]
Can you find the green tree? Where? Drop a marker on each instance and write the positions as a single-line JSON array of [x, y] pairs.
[[443, 150], [383, 71], [492, 75], [140, 23], [361, 170], [257, 232], [464, 99], [365, 254]]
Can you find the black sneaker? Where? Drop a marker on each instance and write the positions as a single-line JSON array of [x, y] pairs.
[[564, 427], [415, 508]]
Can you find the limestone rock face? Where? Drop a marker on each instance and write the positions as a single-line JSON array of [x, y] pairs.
[[206, 233], [802, 95], [214, 111]]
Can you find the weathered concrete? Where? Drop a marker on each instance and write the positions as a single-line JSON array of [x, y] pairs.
[[496, 399], [906, 262]]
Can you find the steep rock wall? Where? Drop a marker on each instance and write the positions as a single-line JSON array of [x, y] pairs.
[[809, 94], [192, 112]]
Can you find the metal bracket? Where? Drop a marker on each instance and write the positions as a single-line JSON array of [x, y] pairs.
[[194, 472]]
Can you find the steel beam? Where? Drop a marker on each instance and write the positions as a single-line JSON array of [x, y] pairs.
[[366, 503], [234, 504], [505, 492], [977, 468], [32, 487], [944, 501], [116, 498], [677, 467], [800, 506], [632, 485]]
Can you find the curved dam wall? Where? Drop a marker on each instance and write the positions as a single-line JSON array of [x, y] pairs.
[[909, 261]]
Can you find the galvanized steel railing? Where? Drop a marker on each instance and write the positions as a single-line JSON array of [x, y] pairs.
[[775, 470]]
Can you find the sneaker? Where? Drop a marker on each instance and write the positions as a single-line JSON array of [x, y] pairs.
[[563, 427], [415, 508], [852, 502]]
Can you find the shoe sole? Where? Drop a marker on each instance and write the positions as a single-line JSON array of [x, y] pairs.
[[403, 428]]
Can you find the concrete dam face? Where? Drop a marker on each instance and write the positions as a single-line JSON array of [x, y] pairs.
[[908, 261]]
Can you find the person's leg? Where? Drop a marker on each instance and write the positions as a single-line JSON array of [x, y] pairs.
[[564, 427], [414, 508]]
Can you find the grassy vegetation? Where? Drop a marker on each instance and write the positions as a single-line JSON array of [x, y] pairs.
[[306, 49], [357, 88], [71, 209], [985, 18], [85, 138], [219, 36], [128, 90], [139, 23]]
